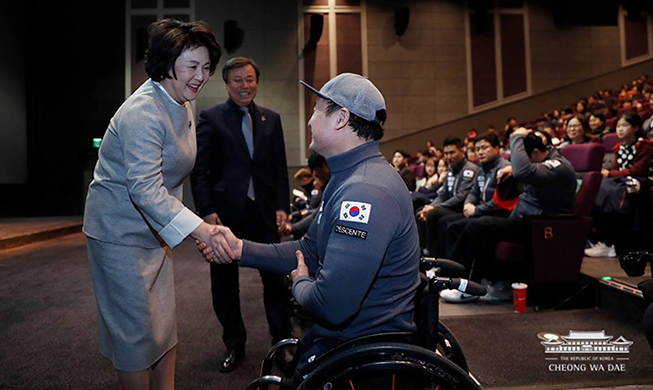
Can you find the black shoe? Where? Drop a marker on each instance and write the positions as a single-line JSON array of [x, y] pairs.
[[230, 360]]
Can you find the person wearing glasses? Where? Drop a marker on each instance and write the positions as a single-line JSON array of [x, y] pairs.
[[577, 131], [480, 200]]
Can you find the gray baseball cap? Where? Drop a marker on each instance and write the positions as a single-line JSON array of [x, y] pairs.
[[353, 92]]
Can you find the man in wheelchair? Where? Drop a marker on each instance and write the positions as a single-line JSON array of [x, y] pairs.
[[357, 269]]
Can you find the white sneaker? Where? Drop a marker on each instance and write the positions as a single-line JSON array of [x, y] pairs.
[[455, 296], [601, 250], [499, 291]]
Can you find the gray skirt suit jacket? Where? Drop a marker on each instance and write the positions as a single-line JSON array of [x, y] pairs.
[[133, 216]]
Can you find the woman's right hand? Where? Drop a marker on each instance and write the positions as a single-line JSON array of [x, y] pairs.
[[204, 236]]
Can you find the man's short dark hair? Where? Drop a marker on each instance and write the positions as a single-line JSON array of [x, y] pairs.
[[239, 62], [545, 135], [316, 160], [532, 142], [455, 141], [363, 128], [402, 152], [168, 38], [490, 138]]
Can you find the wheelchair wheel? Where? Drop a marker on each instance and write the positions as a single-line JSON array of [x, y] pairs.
[[387, 366], [449, 347]]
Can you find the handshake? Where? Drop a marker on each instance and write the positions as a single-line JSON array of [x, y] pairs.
[[217, 243]]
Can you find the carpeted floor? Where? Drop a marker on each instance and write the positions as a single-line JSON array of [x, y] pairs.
[[48, 334], [48, 328], [503, 350]]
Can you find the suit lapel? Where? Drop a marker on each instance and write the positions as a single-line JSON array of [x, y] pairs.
[[259, 124]]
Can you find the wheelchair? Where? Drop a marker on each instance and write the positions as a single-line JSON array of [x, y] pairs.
[[430, 358]]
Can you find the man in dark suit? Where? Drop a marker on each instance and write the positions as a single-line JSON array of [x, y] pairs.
[[240, 180]]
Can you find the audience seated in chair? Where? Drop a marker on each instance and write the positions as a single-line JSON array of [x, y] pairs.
[[299, 221], [400, 162], [622, 204], [461, 176], [479, 201], [550, 189], [577, 131], [427, 187], [598, 125]]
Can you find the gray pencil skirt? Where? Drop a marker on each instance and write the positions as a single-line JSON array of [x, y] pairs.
[[134, 290]]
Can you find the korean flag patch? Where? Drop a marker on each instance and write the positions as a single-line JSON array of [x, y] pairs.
[[355, 211], [468, 173]]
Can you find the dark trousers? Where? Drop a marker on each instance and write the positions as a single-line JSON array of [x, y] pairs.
[[225, 287], [477, 240], [451, 227], [443, 240], [428, 229]]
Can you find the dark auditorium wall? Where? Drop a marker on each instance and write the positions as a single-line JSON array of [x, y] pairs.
[[13, 107], [423, 74], [270, 38], [74, 78], [525, 109], [74, 82]]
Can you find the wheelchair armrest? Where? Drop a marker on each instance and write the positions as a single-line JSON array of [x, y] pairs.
[[281, 344], [268, 380], [266, 364], [443, 267]]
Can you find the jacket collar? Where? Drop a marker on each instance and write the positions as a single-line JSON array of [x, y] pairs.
[[491, 165], [354, 156], [230, 105], [456, 168]]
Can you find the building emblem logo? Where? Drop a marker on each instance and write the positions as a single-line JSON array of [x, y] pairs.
[[585, 351], [587, 342]]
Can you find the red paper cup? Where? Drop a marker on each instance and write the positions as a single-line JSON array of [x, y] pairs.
[[519, 297]]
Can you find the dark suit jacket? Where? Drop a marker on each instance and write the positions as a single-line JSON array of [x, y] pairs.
[[220, 178]]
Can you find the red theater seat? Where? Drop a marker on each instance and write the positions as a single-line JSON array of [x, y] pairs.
[[557, 242], [609, 141]]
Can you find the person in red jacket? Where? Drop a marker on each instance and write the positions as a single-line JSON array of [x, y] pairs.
[[632, 156], [632, 162]]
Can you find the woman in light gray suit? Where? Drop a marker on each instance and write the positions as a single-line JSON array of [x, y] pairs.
[[134, 213]]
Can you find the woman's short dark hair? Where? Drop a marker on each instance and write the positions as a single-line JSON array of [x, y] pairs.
[[370, 131], [584, 124], [239, 62], [168, 38], [634, 120], [600, 117]]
